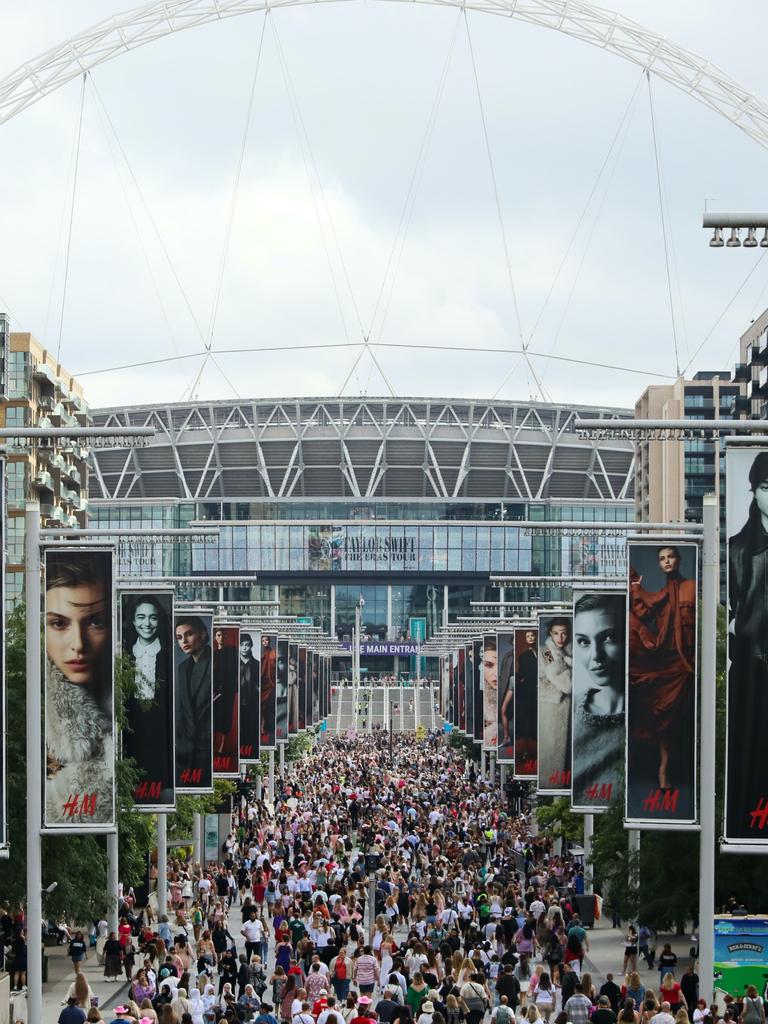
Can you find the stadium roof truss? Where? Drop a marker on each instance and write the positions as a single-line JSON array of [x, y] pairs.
[[612, 32], [366, 448]]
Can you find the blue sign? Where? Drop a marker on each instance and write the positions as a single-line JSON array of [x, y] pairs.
[[417, 629], [742, 940]]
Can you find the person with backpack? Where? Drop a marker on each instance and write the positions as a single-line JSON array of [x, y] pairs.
[[502, 1014], [752, 1007]]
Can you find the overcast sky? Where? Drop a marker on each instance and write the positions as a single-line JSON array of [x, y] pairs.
[[365, 77]]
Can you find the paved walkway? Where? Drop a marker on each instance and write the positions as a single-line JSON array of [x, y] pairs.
[[606, 954], [60, 977]]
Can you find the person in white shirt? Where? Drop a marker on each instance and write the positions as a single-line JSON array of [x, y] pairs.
[[663, 1016]]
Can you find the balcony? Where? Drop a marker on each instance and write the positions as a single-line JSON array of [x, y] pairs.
[[741, 405], [44, 480], [43, 372]]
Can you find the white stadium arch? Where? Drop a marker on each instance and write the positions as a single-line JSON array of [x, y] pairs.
[[597, 26]]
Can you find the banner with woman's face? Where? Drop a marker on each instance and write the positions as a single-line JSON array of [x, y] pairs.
[[599, 684], [226, 701], [149, 736], [250, 694], [79, 610], [746, 767], [314, 690], [469, 689], [293, 689], [526, 702], [503, 652], [303, 686], [461, 720], [281, 692], [453, 682], [662, 689], [268, 690], [194, 701], [477, 691], [555, 663]]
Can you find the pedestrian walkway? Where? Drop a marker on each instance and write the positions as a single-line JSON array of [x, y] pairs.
[[60, 976], [606, 955]]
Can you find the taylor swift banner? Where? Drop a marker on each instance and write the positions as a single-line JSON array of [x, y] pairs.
[[293, 689], [661, 703], [746, 768], [500, 648], [79, 790], [146, 633], [526, 714], [489, 695], [268, 690], [555, 663], [250, 695], [281, 692], [461, 706], [599, 694], [226, 701], [194, 699]]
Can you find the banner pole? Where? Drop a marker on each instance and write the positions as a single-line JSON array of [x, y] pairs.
[[34, 766], [162, 865], [282, 761], [271, 779], [709, 602], [113, 880], [589, 830]]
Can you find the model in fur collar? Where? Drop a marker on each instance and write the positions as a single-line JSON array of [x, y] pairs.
[[80, 754]]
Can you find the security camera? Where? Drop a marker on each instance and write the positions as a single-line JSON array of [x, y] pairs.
[[49, 889]]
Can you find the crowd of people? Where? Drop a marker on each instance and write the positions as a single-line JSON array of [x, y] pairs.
[[473, 918]]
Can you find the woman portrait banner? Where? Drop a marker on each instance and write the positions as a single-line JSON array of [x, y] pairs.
[[3, 753], [293, 689], [226, 701], [268, 690], [469, 690], [313, 713], [250, 695], [146, 634], [599, 684], [661, 700], [194, 700], [461, 691], [79, 615], [453, 688], [281, 692], [490, 692], [554, 703], [504, 651], [526, 701], [303, 686], [746, 767], [477, 691]]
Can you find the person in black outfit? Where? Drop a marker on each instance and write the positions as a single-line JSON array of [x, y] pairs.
[[193, 702], [228, 968], [612, 992], [508, 985]]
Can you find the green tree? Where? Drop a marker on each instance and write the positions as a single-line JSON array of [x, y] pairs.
[[556, 818]]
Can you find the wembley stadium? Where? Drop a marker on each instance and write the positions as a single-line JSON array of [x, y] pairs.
[[412, 504]]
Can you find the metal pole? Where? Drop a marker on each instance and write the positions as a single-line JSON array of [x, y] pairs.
[[589, 829], [271, 779], [492, 757], [162, 865], [282, 761], [709, 601], [634, 852], [113, 880], [34, 766], [196, 830]]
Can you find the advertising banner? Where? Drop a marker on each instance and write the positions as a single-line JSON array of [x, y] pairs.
[[661, 703], [599, 686], [281, 692], [250, 696], [505, 703], [469, 689], [79, 690], [477, 691], [303, 687], [554, 704], [146, 634], [741, 953], [314, 690], [194, 701], [461, 706], [226, 701], [3, 753], [746, 771], [526, 701], [268, 690], [293, 689]]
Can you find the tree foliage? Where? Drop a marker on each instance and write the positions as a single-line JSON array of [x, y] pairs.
[[555, 817]]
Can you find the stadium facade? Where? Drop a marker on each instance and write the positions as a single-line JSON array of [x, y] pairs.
[[411, 503]]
